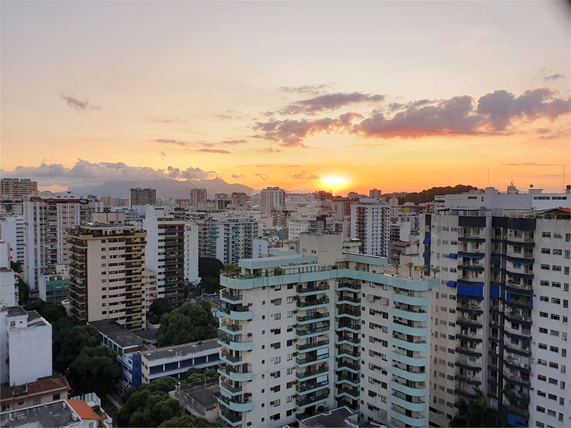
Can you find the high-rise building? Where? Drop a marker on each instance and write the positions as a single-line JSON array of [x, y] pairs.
[[140, 196], [306, 332], [12, 231], [226, 239], [18, 187], [107, 264], [165, 253], [191, 253], [371, 224], [196, 196], [500, 315], [272, 198], [47, 222], [375, 194]]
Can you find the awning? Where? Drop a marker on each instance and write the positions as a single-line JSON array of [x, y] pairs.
[[426, 242], [426, 255], [452, 256], [451, 284]]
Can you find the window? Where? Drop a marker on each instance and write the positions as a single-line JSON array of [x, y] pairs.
[[277, 302], [545, 267], [540, 409], [542, 330], [277, 360], [546, 235], [542, 378], [289, 314], [554, 349], [553, 365], [289, 300], [557, 252], [545, 251], [556, 300], [277, 316], [555, 268], [552, 381]]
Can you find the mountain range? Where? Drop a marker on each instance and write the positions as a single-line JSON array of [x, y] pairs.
[[166, 187]]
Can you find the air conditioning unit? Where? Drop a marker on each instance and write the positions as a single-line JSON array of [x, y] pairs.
[[295, 354], [250, 304]]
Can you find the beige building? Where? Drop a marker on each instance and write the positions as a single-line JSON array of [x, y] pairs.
[[18, 188], [107, 264]]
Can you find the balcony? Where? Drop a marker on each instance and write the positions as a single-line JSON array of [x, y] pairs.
[[313, 304], [230, 297], [354, 301], [230, 328], [309, 400], [415, 420], [346, 391], [310, 374], [470, 337], [236, 374], [345, 326], [236, 312], [350, 366], [351, 380], [315, 329], [230, 359], [310, 359], [309, 318], [347, 340], [349, 286], [235, 342], [235, 404], [518, 317], [469, 322], [312, 346], [230, 419], [349, 353], [414, 404], [475, 351], [472, 364], [230, 389], [414, 389], [308, 291], [307, 387]]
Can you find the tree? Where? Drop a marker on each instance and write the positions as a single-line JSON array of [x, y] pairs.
[[150, 406], [477, 414], [209, 268], [194, 375], [420, 269], [160, 307], [410, 267], [69, 341], [396, 265], [231, 269], [209, 285], [435, 270], [192, 322], [94, 370], [52, 312], [187, 421]]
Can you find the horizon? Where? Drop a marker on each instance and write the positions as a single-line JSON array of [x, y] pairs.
[[347, 96]]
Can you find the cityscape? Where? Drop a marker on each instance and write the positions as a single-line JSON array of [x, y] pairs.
[[285, 214]]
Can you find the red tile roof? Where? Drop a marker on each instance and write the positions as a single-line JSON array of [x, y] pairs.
[[43, 386], [83, 409]]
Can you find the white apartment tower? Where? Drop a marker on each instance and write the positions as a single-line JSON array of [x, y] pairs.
[[164, 253], [371, 224], [272, 198], [227, 239], [47, 222], [12, 230], [191, 253], [107, 264], [500, 319], [305, 332]]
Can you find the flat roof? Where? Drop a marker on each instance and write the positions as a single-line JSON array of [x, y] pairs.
[[186, 349], [275, 262], [117, 333], [16, 311], [331, 419], [202, 392], [55, 414]]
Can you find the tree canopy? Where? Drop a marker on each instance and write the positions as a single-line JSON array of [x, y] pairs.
[[69, 340], [150, 406], [194, 375], [50, 311], [429, 194], [94, 370], [192, 322], [209, 268], [477, 413], [187, 421], [160, 307]]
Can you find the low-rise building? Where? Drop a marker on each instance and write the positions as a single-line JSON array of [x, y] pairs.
[[44, 390], [199, 399]]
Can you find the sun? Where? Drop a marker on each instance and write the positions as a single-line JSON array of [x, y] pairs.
[[334, 182]]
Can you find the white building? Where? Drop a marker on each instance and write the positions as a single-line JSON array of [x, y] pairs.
[[272, 198], [164, 253], [296, 341], [12, 231], [191, 253], [371, 224]]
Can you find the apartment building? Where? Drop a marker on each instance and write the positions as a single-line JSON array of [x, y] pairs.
[[197, 196], [227, 239], [47, 221], [272, 198], [191, 253], [138, 197], [164, 253], [107, 263], [12, 231], [305, 332], [18, 187], [500, 314], [371, 224]]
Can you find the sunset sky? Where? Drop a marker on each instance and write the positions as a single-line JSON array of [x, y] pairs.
[[345, 96]]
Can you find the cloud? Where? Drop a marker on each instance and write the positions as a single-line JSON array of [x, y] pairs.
[[96, 173], [553, 77], [532, 164], [165, 141], [77, 103], [492, 114], [237, 176], [270, 165], [234, 142], [303, 175], [261, 176], [315, 89], [543, 131], [214, 151], [329, 102], [270, 150], [163, 155]]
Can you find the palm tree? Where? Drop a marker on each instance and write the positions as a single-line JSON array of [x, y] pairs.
[[410, 267], [396, 265], [420, 269], [434, 270]]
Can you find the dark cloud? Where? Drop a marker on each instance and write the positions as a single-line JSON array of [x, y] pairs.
[[315, 89], [165, 141], [238, 176], [234, 142], [553, 77], [304, 175], [329, 102], [261, 176], [162, 154], [96, 173], [77, 103], [214, 151]]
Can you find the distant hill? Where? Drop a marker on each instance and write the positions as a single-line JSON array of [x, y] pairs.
[[166, 188], [428, 195]]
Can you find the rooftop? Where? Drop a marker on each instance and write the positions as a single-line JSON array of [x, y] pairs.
[[186, 349], [55, 414], [201, 392], [117, 333], [16, 311], [40, 387], [334, 418], [83, 410]]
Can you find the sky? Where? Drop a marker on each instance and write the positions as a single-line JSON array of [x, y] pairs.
[[305, 95]]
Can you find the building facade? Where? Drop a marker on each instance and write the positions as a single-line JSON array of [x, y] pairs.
[[227, 239], [272, 198], [371, 224], [18, 187], [107, 262], [140, 196], [197, 196]]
